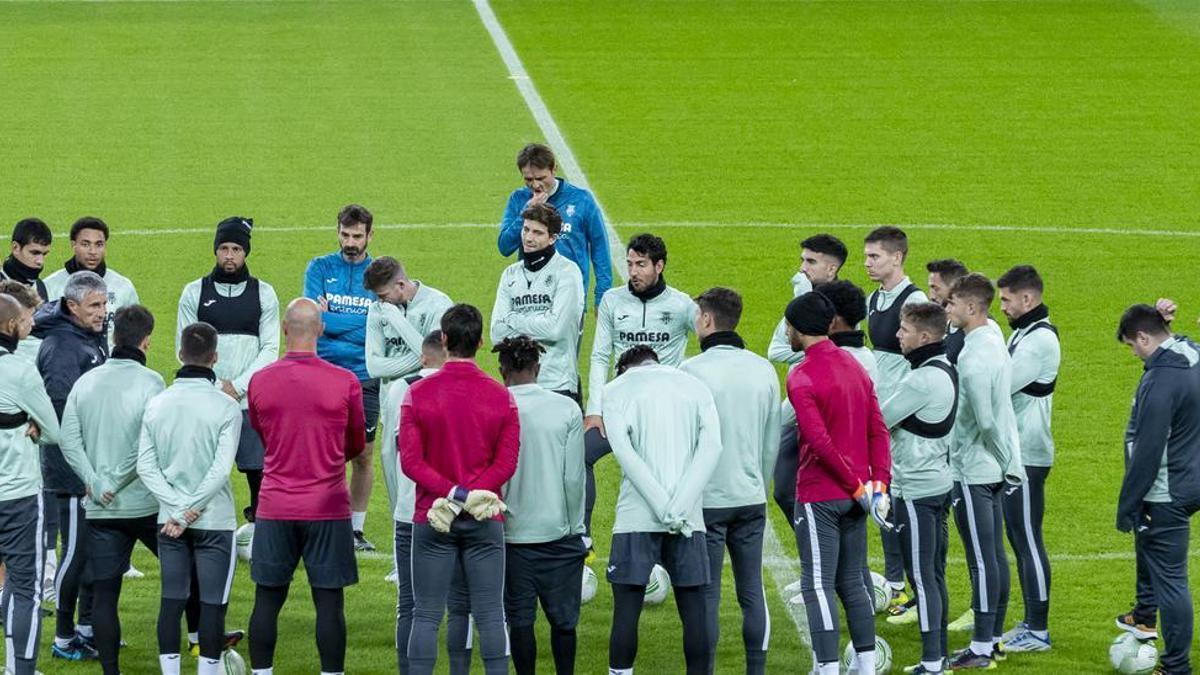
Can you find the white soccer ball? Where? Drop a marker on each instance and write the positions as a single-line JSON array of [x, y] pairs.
[[1132, 656], [881, 592], [590, 583], [658, 586], [243, 540], [883, 657], [232, 663]]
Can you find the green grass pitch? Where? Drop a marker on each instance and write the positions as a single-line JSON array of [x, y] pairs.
[[709, 124]]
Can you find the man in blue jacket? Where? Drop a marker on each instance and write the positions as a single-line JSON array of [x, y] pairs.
[[335, 282], [584, 239], [1161, 489]]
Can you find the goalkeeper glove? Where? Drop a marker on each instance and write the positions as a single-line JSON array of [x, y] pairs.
[[484, 504], [881, 504], [442, 514]]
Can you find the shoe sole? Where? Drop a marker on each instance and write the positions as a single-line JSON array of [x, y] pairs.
[[1138, 633]]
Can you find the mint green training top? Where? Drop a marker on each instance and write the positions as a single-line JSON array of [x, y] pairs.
[[189, 439], [101, 427], [22, 391]]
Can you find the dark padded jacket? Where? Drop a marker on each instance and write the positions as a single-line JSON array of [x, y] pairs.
[[66, 353]]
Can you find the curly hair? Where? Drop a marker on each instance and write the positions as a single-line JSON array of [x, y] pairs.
[[518, 353]]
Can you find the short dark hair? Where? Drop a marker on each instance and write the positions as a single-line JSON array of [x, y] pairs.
[[131, 325], [1141, 318], [1021, 278], [892, 239], [89, 223], [32, 231], [544, 214], [536, 155], [518, 353], [926, 316], [635, 356], [976, 287], [355, 214], [23, 294], [827, 244], [462, 326], [848, 300], [949, 269], [381, 272], [650, 246], [724, 304], [198, 344], [433, 342]]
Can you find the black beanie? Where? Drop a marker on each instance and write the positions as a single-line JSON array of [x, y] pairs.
[[235, 230], [810, 314]]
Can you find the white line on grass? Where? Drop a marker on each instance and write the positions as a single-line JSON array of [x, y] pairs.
[[541, 114], [616, 245], [781, 568]]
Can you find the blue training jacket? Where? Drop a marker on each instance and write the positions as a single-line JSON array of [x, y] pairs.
[[584, 238], [341, 284]]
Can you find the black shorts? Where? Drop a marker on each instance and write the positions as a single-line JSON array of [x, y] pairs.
[[551, 572], [325, 546], [634, 555], [370, 393], [209, 552], [250, 448], [111, 541]]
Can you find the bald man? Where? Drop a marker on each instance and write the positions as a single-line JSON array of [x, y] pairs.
[[27, 419], [309, 413]]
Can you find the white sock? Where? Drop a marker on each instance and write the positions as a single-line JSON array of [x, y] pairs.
[[262, 671], [932, 666], [620, 671], [828, 668], [194, 637], [1043, 634], [340, 672], [169, 663], [981, 648], [866, 662], [209, 666], [357, 520], [85, 631]]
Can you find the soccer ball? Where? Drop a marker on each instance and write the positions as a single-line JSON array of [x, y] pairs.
[[883, 657], [243, 539], [1132, 656], [232, 663], [881, 592], [659, 584], [590, 582]]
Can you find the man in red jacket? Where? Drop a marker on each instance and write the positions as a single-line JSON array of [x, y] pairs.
[[310, 416], [845, 467], [459, 436]]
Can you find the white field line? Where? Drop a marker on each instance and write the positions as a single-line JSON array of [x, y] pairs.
[[782, 569], [541, 114], [616, 245]]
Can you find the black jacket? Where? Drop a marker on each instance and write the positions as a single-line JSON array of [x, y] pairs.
[[66, 353], [1162, 441]]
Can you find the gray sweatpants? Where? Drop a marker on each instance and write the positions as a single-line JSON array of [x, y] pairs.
[[1163, 554], [1024, 509], [832, 540], [924, 539], [458, 623], [739, 529], [22, 550], [479, 548], [977, 513], [73, 584]]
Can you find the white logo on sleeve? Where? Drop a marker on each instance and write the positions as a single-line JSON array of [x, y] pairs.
[[210, 303], [331, 280]]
